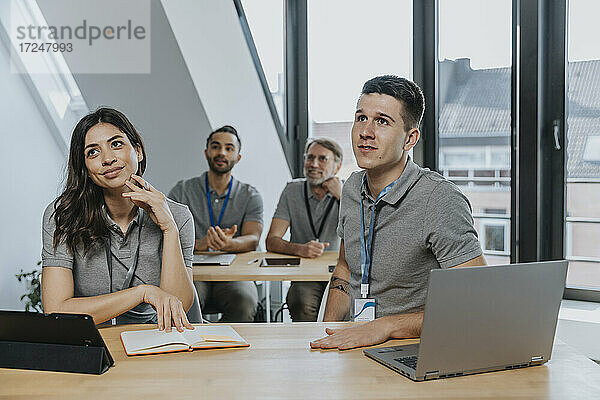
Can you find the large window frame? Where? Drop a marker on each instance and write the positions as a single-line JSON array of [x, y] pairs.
[[288, 133], [538, 117], [50, 83]]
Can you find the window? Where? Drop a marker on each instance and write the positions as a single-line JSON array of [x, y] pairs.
[[461, 157], [591, 152], [582, 229], [52, 82], [494, 236], [349, 42], [474, 113], [500, 156], [499, 211]]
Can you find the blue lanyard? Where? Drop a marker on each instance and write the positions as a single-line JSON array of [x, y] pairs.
[[367, 245], [210, 209]]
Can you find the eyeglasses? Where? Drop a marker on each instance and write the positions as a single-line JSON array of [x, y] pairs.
[[311, 157]]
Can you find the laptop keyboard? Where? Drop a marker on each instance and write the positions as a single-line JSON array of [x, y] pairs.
[[410, 361]]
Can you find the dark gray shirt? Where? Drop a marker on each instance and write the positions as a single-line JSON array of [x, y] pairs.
[[90, 270], [292, 208], [245, 204], [424, 222]]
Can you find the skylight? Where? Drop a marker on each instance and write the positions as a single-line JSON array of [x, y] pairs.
[[51, 79]]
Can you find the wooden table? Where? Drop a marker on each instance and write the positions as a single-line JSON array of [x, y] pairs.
[[310, 269], [280, 365]]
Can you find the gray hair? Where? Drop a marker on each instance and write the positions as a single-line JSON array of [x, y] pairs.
[[329, 144]]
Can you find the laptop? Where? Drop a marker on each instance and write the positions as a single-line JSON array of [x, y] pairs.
[[481, 319], [213, 259]]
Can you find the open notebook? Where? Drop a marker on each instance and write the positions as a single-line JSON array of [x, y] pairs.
[[153, 341]]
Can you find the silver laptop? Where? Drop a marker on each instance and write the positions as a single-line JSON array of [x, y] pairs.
[[480, 319], [213, 259]]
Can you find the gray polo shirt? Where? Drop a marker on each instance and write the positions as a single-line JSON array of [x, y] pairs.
[[245, 204], [292, 208], [90, 270], [424, 222]]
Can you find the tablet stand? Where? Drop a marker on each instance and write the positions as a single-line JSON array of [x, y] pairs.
[[54, 357]]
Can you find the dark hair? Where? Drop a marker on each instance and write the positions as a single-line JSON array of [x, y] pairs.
[[329, 144], [227, 129], [403, 90], [78, 210]]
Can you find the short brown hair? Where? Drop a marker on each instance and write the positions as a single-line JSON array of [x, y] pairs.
[[329, 144], [403, 90]]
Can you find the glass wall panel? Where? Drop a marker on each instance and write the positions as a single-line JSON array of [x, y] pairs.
[[351, 41], [474, 121], [582, 225], [266, 20]]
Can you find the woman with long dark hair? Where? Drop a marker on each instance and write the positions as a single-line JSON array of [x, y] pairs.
[[113, 245]]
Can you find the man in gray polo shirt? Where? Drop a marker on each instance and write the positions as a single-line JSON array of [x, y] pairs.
[[421, 221], [228, 217], [309, 207]]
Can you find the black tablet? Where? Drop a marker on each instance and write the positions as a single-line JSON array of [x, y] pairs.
[[56, 342], [280, 262]]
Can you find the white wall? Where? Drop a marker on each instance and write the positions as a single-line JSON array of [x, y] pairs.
[[214, 48], [31, 175]]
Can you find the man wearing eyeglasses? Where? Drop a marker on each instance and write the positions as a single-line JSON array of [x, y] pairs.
[[309, 208]]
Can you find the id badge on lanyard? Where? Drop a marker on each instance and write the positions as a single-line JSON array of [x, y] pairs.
[[364, 308]]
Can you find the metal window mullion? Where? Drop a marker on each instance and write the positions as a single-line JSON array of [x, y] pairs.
[[296, 72], [524, 124], [553, 98], [425, 74]]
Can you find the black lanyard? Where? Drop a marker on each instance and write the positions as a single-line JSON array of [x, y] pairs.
[[332, 200], [131, 270]]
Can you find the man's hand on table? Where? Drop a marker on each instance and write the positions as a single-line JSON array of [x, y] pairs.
[[368, 334]]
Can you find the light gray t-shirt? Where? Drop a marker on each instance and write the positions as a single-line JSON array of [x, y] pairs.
[[424, 222], [90, 270], [245, 204], [292, 208]]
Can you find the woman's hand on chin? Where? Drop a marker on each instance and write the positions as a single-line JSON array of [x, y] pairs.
[[153, 201], [169, 309]]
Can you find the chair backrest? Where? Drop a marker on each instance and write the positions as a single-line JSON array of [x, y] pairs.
[[323, 304], [194, 314]]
